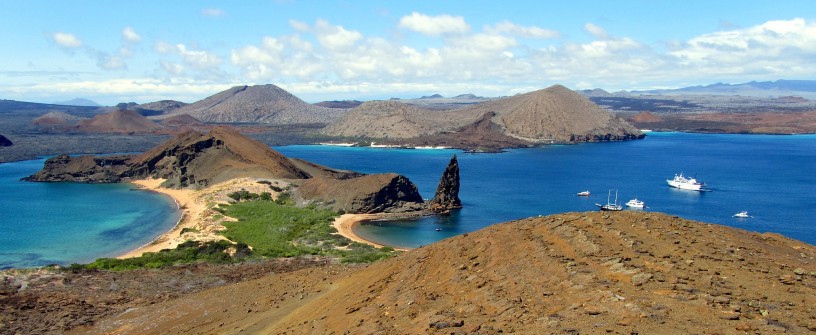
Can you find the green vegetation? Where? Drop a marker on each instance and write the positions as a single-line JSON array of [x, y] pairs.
[[270, 228], [187, 252], [276, 230]]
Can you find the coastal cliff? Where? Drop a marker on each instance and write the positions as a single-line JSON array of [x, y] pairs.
[[196, 160]]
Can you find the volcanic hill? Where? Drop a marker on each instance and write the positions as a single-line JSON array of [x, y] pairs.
[[258, 104], [194, 159], [552, 115], [572, 273], [120, 121], [394, 119], [56, 119]]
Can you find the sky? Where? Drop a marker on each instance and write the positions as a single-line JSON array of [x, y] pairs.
[[143, 51]]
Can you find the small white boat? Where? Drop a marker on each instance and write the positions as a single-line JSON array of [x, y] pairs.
[[612, 207], [743, 214], [684, 183], [635, 203], [583, 194]]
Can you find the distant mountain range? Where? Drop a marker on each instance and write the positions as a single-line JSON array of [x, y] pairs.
[[778, 88]]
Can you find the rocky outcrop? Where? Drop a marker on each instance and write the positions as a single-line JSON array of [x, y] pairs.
[[5, 142], [447, 192], [83, 169], [365, 194], [193, 159]]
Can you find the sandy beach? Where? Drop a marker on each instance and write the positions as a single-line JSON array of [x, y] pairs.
[[192, 213], [203, 223], [345, 222]]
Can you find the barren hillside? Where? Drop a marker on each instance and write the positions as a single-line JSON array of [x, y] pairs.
[[573, 273], [555, 114], [394, 119], [121, 122], [258, 104]]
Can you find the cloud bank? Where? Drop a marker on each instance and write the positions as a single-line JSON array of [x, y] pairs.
[[445, 54]]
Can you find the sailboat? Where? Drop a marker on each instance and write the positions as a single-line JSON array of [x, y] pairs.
[[610, 206]]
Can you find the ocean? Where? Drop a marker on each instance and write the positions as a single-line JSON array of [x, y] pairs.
[[64, 223], [771, 177]]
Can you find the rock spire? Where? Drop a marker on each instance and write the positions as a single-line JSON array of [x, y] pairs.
[[447, 193]]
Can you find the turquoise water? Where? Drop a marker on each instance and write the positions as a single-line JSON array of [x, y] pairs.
[[64, 223], [772, 177]]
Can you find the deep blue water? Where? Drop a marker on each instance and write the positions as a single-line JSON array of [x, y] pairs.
[[64, 223], [772, 177]]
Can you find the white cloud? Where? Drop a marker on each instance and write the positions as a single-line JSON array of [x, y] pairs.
[[66, 40], [176, 69], [198, 58], [335, 37], [507, 27], [163, 47], [324, 58], [299, 26], [214, 12], [596, 31], [434, 25], [130, 35], [110, 62]]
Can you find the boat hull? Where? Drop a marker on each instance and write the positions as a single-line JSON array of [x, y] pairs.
[[685, 186]]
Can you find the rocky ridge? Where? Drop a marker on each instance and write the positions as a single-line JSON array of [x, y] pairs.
[[573, 273], [194, 159]]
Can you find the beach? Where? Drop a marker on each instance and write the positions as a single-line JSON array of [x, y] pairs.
[[201, 223], [346, 222], [193, 211]]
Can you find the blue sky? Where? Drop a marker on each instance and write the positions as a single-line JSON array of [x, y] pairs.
[[142, 51]]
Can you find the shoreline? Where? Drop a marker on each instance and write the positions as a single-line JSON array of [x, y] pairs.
[[200, 226], [185, 202], [345, 227]]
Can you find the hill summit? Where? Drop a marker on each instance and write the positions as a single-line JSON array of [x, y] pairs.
[[258, 104], [194, 159], [572, 273], [120, 121], [552, 115]]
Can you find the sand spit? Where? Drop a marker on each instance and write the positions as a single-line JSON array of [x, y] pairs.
[[199, 221]]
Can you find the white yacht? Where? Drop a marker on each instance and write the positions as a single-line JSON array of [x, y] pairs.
[[635, 203], [743, 214], [614, 207], [684, 183]]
